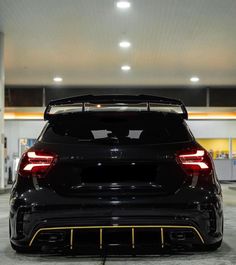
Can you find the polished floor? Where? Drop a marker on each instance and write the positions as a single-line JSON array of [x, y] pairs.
[[226, 255]]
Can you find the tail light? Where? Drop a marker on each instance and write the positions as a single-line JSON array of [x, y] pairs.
[[195, 162], [35, 163]]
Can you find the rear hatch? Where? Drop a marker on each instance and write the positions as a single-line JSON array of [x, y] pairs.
[[118, 155]]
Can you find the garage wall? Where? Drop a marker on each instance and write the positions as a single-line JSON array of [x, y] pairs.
[[213, 128], [16, 129]]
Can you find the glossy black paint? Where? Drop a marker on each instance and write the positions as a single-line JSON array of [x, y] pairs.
[[171, 199]]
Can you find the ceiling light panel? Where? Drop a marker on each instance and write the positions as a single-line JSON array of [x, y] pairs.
[[194, 79], [125, 68], [57, 79], [123, 4], [124, 44]]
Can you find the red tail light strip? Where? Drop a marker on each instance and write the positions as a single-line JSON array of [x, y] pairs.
[[200, 164], [195, 161], [35, 163], [34, 155]]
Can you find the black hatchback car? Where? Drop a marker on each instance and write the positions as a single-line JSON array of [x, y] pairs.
[[115, 174]]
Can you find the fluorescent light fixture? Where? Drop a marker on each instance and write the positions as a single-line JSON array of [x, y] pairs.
[[125, 67], [124, 44], [123, 4], [57, 79], [194, 79]]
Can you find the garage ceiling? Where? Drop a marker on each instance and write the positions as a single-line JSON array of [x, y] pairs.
[[172, 40]]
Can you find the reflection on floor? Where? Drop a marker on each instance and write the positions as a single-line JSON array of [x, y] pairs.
[[226, 255]]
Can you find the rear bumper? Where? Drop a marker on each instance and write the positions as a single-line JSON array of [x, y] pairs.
[[65, 223], [165, 235]]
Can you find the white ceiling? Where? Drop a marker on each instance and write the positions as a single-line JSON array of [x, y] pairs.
[[172, 40]]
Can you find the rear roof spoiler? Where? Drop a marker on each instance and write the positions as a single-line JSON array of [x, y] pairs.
[[110, 99]]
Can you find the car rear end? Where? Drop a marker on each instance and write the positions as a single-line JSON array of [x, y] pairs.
[[117, 182]]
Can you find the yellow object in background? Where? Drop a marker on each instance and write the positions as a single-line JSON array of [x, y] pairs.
[[219, 148], [233, 148]]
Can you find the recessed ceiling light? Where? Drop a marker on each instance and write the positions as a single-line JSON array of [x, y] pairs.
[[123, 4], [124, 44], [58, 79], [125, 67], [194, 79]]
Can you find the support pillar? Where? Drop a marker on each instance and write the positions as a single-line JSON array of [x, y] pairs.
[[2, 103]]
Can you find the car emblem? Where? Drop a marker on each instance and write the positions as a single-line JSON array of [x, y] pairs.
[[116, 153]]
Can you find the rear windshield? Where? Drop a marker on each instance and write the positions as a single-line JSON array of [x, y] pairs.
[[117, 128]]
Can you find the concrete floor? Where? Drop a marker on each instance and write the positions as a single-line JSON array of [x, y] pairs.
[[226, 255]]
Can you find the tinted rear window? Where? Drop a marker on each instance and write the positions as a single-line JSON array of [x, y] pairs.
[[117, 128]]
